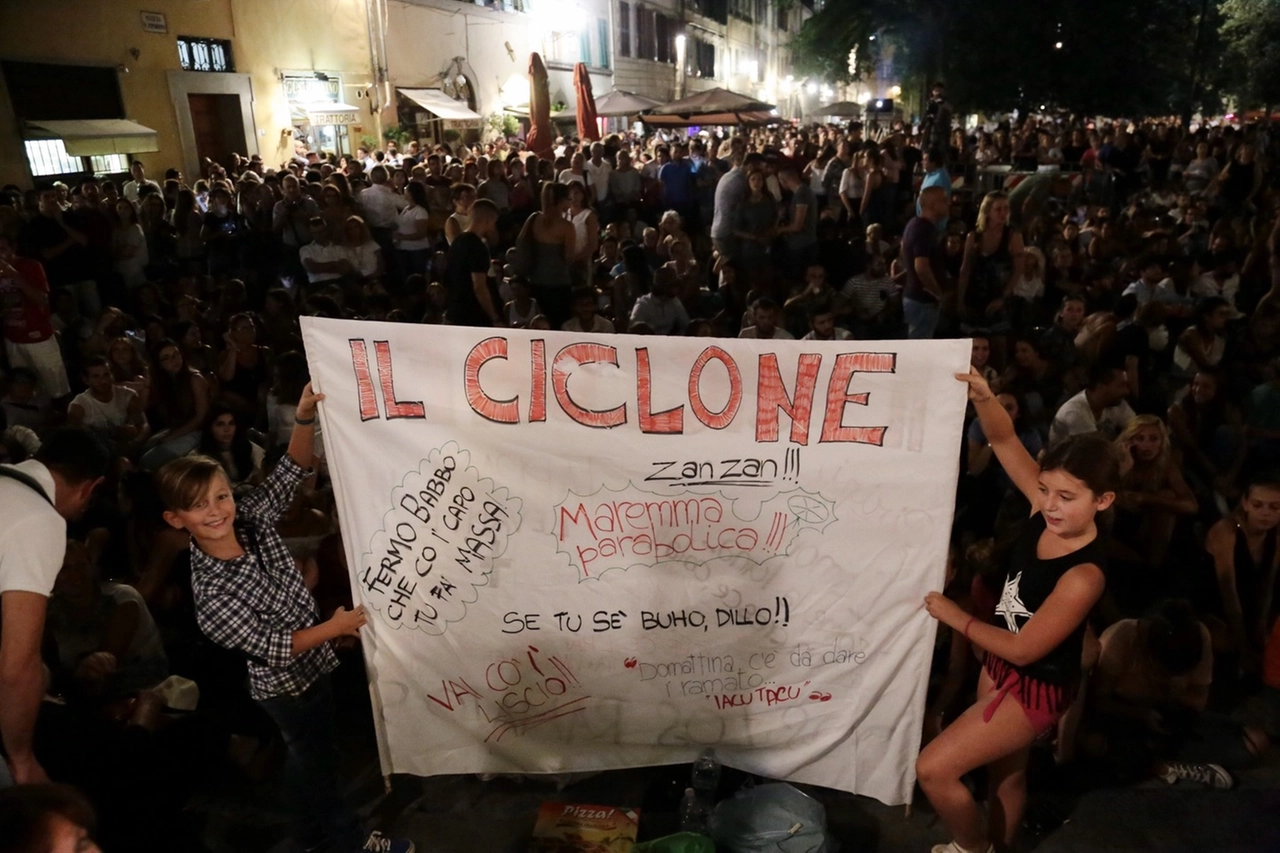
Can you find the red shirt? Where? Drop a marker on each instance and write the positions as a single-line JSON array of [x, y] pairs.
[[26, 321]]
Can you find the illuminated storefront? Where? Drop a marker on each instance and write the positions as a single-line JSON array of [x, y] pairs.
[[321, 121]]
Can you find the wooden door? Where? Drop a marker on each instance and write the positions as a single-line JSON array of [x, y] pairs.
[[217, 126]]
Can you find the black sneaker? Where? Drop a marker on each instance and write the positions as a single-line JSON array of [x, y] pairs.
[[1211, 775]]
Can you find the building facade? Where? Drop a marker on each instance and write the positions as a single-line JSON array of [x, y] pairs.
[[197, 80], [673, 48], [209, 78]]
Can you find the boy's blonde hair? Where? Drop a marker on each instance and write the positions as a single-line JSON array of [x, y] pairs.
[[182, 482]]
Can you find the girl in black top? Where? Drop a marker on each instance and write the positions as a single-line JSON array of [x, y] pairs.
[[1033, 645]]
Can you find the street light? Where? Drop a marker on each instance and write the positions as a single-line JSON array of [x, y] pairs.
[[812, 88], [1057, 45]]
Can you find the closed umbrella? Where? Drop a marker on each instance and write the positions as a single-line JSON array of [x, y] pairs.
[[541, 138], [588, 126]]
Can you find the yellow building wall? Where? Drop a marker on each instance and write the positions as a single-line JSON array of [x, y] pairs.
[[267, 37]]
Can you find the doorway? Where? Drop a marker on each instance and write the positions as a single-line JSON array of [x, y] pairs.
[[218, 125]]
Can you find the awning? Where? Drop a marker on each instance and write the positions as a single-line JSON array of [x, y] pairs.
[[325, 113], [94, 137], [441, 105]]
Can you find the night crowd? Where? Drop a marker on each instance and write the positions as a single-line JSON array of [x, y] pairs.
[[1119, 280]]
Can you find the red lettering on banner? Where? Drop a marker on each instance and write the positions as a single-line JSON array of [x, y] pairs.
[[724, 417], [561, 368], [395, 408], [670, 421], [498, 411], [538, 380], [838, 396], [364, 380], [771, 395]]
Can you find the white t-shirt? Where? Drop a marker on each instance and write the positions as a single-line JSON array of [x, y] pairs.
[[33, 537], [381, 206], [364, 258], [1076, 418], [598, 178], [409, 219], [104, 417], [599, 325], [131, 188], [779, 333], [325, 254], [568, 176]]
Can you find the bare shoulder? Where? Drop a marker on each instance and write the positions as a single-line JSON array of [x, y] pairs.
[[1083, 578], [1220, 536]]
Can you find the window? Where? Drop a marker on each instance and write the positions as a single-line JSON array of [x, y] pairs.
[[783, 14], [201, 54], [624, 29], [647, 48], [584, 47], [665, 39], [109, 164], [50, 157], [602, 31], [700, 59]]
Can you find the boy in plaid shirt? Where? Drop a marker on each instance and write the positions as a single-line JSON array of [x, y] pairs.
[[250, 596]]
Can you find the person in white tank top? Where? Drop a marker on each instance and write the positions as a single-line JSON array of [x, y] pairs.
[[586, 228], [112, 411]]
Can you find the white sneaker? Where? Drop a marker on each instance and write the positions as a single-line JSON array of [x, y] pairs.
[[953, 847], [379, 843], [1212, 775]]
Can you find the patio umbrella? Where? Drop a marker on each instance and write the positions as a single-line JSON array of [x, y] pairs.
[[840, 109], [714, 106], [588, 126], [620, 103], [541, 138]]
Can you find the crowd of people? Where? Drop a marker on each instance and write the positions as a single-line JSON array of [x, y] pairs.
[[1120, 283]]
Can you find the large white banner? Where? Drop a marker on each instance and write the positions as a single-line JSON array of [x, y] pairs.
[[591, 552]]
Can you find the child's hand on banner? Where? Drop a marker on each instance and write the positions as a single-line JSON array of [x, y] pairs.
[[979, 390], [347, 623], [944, 609], [307, 404]]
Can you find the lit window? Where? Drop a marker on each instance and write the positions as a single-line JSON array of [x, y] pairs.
[[202, 54], [49, 157], [109, 164]]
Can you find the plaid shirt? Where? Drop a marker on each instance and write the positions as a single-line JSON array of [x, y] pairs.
[[254, 603]]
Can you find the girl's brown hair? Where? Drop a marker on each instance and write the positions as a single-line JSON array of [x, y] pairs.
[[1091, 459]]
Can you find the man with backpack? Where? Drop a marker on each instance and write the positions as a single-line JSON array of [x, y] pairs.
[[38, 497]]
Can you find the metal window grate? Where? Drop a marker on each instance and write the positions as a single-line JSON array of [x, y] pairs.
[[49, 157], [204, 54]]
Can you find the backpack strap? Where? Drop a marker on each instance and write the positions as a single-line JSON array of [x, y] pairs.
[[26, 480]]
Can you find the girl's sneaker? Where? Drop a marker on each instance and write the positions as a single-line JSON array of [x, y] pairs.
[[379, 843], [1211, 775]]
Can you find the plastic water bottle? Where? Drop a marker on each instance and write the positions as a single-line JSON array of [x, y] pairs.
[[694, 813], [705, 777]]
